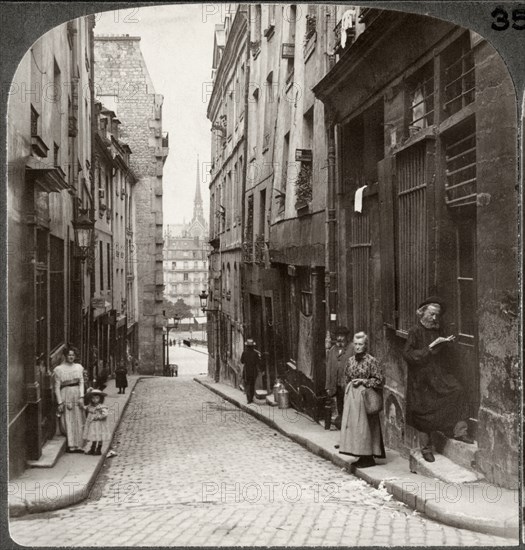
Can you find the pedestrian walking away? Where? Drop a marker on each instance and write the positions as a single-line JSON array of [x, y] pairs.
[[121, 379], [96, 427], [251, 365], [360, 431], [436, 399], [68, 379], [336, 361]]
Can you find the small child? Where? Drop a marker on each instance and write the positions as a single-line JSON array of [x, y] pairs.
[[96, 427], [121, 379]]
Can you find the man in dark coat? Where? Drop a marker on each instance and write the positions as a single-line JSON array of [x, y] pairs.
[[251, 364], [435, 398], [336, 360]]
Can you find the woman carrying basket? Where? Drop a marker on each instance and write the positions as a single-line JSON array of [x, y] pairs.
[[360, 426]]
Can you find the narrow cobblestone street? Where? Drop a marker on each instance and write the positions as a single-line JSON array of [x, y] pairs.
[[192, 469]]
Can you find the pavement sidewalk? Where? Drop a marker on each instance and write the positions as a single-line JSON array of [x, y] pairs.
[[70, 480], [478, 506]]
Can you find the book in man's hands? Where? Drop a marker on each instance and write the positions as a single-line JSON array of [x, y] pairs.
[[441, 340]]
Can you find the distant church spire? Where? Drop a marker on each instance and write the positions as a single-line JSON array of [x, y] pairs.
[[198, 213]]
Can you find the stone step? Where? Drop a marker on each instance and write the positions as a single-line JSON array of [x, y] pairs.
[[51, 452], [443, 468], [461, 453]]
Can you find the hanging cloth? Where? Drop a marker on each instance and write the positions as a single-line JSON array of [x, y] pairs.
[[347, 22]]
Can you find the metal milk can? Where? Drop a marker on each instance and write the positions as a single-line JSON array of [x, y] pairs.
[[283, 399], [276, 387]]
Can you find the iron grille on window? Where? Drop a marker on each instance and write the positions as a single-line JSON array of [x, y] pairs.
[[360, 253], [421, 97], [411, 234], [460, 158], [459, 75]]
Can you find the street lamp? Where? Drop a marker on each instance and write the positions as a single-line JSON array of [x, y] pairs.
[[83, 228], [169, 326], [203, 297]]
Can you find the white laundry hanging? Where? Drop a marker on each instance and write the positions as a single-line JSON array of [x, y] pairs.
[[347, 22]]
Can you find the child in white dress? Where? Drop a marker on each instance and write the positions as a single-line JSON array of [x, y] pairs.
[[96, 427]]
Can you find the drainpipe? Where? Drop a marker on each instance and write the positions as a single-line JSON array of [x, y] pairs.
[[245, 169], [331, 226], [91, 34]]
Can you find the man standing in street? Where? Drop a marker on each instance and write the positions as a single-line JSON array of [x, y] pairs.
[[336, 360], [435, 398], [251, 364]]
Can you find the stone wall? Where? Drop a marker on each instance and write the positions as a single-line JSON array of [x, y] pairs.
[[123, 84], [498, 437]]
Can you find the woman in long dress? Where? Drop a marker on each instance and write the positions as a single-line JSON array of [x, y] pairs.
[[69, 387], [360, 432]]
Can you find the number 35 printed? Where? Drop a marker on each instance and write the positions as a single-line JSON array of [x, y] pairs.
[[501, 19]]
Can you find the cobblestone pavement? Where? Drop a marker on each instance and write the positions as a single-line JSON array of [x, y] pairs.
[[192, 469]]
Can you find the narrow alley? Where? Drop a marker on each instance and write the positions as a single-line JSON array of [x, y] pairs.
[[192, 469]]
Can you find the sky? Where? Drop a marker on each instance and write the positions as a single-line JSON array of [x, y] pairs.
[[177, 45]]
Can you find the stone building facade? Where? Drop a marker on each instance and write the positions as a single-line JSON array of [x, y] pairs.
[[115, 286], [227, 113], [429, 140], [125, 87], [50, 178], [186, 250], [438, 216]]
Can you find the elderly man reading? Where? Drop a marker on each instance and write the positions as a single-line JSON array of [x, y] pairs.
[[435, 398]]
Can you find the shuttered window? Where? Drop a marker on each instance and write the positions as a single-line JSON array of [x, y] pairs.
[[411, 233]]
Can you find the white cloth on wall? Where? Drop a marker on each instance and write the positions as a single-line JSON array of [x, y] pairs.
[[358, 199], [347, 22]]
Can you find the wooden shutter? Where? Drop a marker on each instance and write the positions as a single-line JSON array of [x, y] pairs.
[[386, 170]]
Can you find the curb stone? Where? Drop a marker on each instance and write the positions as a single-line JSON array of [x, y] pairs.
[[507, 528], [20, 507]]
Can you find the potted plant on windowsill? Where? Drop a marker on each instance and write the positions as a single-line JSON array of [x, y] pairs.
[[303, 192]]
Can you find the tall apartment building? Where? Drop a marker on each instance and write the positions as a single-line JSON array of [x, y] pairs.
[[226, 111], [125, 87], [115, 286], [50, 179], [186, 250], [370, 186]]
